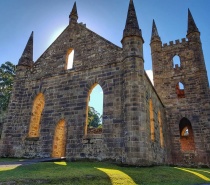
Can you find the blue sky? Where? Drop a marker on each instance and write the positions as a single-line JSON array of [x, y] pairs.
[[47, 18]]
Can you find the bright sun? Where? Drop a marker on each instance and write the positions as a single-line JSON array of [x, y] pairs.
[[55, 34]]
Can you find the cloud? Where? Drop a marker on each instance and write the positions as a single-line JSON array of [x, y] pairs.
[[150, 75]]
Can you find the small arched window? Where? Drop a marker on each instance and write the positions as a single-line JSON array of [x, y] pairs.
[[176, 61], [70, 59], [180, 90]]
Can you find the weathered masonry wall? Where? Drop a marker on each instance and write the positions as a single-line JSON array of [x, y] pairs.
[[63, 103], [65, 98], [65, 93], [158, 139]]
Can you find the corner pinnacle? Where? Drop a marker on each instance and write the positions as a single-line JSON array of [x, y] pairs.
[[131, 26], [191, 24], [27, 56], [73, 15], [154, 29]]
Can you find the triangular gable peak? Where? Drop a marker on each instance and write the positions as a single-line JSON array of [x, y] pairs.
[[90, 50]]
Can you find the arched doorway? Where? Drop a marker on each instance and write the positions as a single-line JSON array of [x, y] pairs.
[[59, 142], [186, 135]]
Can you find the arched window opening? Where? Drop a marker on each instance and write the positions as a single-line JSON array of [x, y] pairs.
[[176, 61], [180, 90], [161, 129], [59, 142], [70, 59], [152, 122], [37, 109], [94, 110], [186, 135]]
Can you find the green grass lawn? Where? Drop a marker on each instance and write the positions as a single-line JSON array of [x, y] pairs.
[[93, 173]]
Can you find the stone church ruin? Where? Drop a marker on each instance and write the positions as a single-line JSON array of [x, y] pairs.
[[168, 123]]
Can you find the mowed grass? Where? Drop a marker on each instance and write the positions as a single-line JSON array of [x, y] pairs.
[[94, 173]]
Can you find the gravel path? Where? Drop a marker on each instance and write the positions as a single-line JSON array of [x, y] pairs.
[[27, 162]]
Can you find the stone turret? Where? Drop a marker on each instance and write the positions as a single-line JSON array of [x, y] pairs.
[[133, 75], [26, 60], [155, 43], [73, 17]]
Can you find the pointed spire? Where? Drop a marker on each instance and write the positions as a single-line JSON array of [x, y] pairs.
[[191, 24], [73, 15], [27, 56], [154, 29], [132, 26]]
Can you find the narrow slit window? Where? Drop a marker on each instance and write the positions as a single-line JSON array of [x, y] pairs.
[[180, 90], [161, 129], [176, 61], [70, 59], [152, 123]]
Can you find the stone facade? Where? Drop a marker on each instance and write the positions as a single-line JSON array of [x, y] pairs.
[[47, 114]]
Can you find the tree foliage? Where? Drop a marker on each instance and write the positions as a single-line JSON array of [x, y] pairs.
[[94, 118], [7, 74]]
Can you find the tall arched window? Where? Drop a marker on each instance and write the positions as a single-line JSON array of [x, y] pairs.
[[186, 135], [152, 122], [37, 109], [180, 90], [94, 110], [59, 142], [161, 129], [176, 61], [70, 59]]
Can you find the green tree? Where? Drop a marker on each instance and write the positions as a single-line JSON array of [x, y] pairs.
[[7, 74], [94, 118]]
